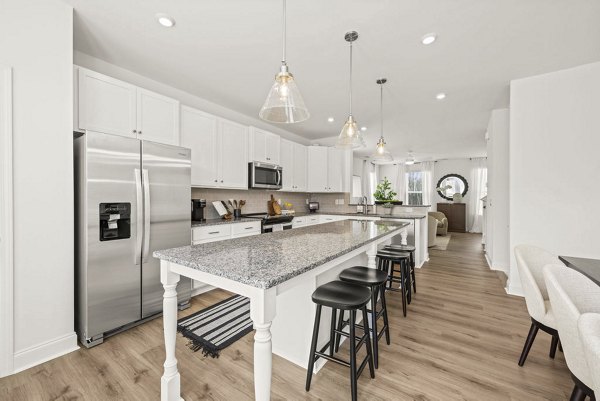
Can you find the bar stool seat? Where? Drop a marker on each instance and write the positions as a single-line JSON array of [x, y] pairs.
[[386, 261], [342, 296], [374, 279], [339, 295], [411, 250]]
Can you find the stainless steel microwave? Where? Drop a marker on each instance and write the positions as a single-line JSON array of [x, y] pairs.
[[264, 175]]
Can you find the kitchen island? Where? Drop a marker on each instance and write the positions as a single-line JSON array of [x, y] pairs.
[[278, 272]]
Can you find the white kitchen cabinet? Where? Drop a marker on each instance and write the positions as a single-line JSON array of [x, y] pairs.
[[199, 133], [264, 146], [233, 155], [246, 229], [299, 222], [219, 149], [157, 117], [106, 104], [317, 169], [335, 170], [311, 220], [293, 163]]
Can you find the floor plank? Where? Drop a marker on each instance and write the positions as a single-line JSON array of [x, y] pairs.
[[460, 341]]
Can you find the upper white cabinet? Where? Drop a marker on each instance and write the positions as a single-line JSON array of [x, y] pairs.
[[317, 169], [326, 169], [157, 117], [199, 133], [106, 104], [115, 107], [293, 163], [219, 149], [264, 146]]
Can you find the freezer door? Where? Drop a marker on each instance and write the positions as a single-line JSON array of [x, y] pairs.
[[166, 172], [111, 278]]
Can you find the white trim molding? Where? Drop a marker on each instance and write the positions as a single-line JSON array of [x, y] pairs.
[[6, 225], [44, 352]]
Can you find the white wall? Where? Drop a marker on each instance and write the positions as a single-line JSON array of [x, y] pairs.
[[497, 230], [554, 163], [36, 40], [103, 67]]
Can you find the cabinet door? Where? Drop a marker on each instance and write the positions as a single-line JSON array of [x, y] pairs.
[[317, 169], [287, 165], [157, 117], [272, 147], [335, 168], [258, 145], [299, 178], [199, 133], [233, 152], [106, 104]]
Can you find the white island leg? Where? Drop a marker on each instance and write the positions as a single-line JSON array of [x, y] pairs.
[[372, 256], [262, 312], [404, 236], [170, 381]]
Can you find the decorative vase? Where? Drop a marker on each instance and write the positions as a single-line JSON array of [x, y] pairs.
[[457, 198]]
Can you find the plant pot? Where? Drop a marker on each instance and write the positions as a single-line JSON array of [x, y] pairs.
[[387, 211]]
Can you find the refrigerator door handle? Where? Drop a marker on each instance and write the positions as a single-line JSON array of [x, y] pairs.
[[146, 185], [139, 216]]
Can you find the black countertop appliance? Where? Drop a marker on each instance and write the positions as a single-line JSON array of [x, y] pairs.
[[198, 206]]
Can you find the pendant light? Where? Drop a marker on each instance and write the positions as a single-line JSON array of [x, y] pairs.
[[350, 137], [381, 155], [284, 102], [410, 160]]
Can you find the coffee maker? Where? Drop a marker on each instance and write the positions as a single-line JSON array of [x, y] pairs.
[[198, 206]]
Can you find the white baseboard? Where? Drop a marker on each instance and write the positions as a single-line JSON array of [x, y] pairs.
[[44, 352], [514, 289], [489, 262]]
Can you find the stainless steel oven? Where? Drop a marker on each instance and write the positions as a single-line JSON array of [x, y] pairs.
[[264, 175]]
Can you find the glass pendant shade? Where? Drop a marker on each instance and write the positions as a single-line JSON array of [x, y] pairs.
[[381, 155], [350, 136], [284, 103]]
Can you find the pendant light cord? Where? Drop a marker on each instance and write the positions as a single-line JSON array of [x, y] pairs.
[[284, 31], [381, 103], [350, 83]]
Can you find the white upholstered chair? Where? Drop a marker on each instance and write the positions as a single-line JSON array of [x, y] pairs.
[[571, 294], [530, 263], [589, 332]]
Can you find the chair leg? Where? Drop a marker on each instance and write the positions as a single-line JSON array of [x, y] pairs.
[[339, 328], [313, 348], [403, 290], [368, 344], [578, 394], [412, 270], [353, 381], [385, 315], [528, 343], [332, 336], [408, 283], [374, 326], [553, 346]]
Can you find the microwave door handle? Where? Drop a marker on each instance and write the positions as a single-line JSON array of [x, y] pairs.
[[278, 177], [139, 206], [146, 186]]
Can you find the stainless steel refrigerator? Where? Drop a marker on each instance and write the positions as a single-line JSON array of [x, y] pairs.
[[132, 198]]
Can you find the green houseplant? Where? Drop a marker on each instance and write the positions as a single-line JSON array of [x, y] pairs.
[[384, 194]]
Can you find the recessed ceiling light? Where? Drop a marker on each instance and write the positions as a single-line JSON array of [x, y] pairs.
[[429, 38], [440, 96], [330, 119], [165, 20], [363, 128]]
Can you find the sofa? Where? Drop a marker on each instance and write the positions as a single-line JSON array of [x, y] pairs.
[[431, 230], [442, 225]]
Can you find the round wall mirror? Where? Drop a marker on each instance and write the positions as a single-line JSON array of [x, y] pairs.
[[451, 184]]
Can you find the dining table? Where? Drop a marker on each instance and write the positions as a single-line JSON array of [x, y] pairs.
[[588, 267]]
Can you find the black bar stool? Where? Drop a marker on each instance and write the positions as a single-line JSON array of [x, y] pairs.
[[386, 260], [345, 297], [375, 280], [411, 250]]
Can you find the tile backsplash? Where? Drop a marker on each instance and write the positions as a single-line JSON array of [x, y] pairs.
[[256, 200]]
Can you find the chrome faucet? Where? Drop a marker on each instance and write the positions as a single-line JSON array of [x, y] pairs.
[[363, 203]]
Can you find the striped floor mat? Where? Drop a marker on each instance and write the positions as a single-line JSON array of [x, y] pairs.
[[217, 326]]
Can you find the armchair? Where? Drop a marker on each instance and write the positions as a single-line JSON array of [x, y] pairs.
[[442, 225]]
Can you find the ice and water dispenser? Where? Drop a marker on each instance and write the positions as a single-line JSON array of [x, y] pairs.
[[115, 221]]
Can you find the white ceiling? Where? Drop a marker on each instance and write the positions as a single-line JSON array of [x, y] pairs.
[[228, 51]]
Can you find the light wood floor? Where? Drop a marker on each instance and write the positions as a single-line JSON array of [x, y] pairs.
[[460, 341]]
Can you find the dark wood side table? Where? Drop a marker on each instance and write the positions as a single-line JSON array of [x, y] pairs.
[[588, 267], [456, 213]]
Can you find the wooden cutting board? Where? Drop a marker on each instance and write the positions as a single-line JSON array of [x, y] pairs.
[[274, 207]]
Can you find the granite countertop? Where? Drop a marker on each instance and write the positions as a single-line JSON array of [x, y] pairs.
[[216, 222], [405, 215], [267, 260]]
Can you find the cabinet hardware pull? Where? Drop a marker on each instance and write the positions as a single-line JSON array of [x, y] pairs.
[[216, 180], [134, 131], [140, 132], [214, 232], [248, 228]]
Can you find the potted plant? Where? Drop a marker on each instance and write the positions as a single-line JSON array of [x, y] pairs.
[[385, 195]]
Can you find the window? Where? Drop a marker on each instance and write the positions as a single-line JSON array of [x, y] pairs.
[[414, 188]]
